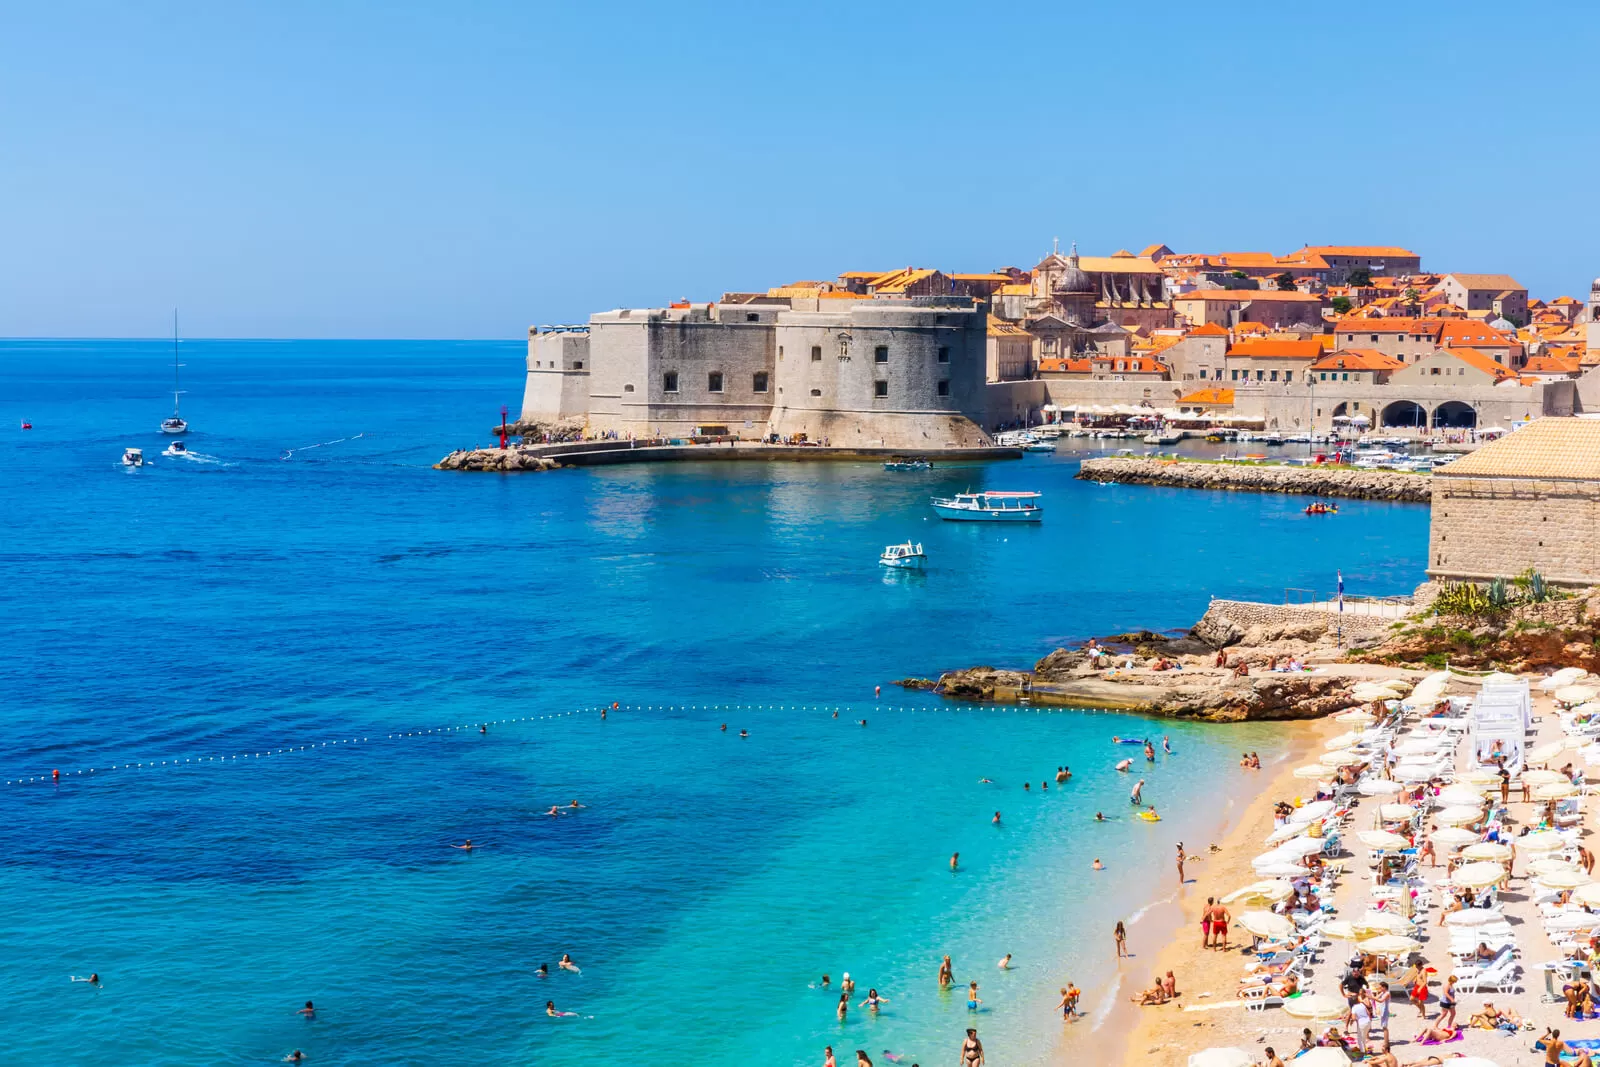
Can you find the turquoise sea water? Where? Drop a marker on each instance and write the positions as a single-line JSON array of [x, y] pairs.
[[271, 594]]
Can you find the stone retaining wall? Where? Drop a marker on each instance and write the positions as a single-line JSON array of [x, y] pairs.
[[1306, 481], [1239, 617]]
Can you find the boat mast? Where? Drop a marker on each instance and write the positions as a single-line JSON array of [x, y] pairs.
[[175, 363]]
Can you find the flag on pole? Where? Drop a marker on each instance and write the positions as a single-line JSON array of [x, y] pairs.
[[1341, 591]]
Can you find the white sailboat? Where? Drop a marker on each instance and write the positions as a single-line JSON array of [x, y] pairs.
[[175, 424]]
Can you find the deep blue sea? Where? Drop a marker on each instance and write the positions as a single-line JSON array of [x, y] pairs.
[[307, 578]]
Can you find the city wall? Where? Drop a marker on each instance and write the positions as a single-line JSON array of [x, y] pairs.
[[1486, 528]]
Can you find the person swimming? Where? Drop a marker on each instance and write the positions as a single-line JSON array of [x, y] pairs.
[[954, 860], [1005, 962], [466, 846], [566, 963], [543, 971], [575, 804], [996, 819], [93, 979], [725, 725], [294, 1057], [555, 809], [744, 733], [1098, 865], [1149, 752], [1099, 817], [873, 1000], [309, 1011], [985, 781], [550, 1010]]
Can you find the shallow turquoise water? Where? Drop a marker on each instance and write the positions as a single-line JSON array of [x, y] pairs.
[[252, 602]]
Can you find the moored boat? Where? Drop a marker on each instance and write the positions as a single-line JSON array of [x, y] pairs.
[[132, 457], [907, 463], [907, 556], [990, 506]]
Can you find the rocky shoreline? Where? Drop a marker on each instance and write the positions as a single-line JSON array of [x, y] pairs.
[[496, 460], [1305, 481]]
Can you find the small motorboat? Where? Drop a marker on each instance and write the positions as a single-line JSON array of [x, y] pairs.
[[907, 463], [907, 556], [175, 449], [1039, 446], [132, 457], [989, 507]]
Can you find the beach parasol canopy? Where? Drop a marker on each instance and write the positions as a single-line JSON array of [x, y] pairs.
[[1389, 945], [1461, 815], [1497, 678], [1383, 922], [1588, 895], [1542, 777], [1382, 839], [1317, 1006], [1568, 922], [1285, 832], [1551, 749], [1377, 787], [1341, 757], [1574, 694], [1342, 741], [1459, 796], [1301, 847], [1268, 892], [1487, 850], [1355, 716], [1283, 870], [1542, 841], [1478, 875], [1455, 837], [1564, 879], [1314, 771], [1265, 924], [1367, 692], [1340, 930], [1542, 867], [1311, 812], [1478, 776], [1554, 791], [1588, 707], [1221, 1057], [1561, 679], [1396, 812], [1314, 1058]]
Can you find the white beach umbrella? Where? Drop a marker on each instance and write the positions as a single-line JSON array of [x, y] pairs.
[[1301, 847], [1317, 1006], [1268, 892], [1389, 945], [1540, 868], [1567, 922], [1498, 678], [1340, 930], [1478, 875], [1382, 839], [1265, 924], [1455, 837], [1356, 717], [1473, 917], [1377, 787], [1487, 850], [1314, 771], [1322, 1056], [1554, 791], [1370, 692], [1541, 841], [1396, 812], [1344, 740], [1285, 832], [1415, 772], [1221, 1057], [1564, 879], [1271, 856], [1478, 776], [1311, 812], [1574, 694], [1550, 750], [1283, 870], [1383, 922], [1542, 777], [1457, 816], [1588, 707], [1588, 895], [1561, 679], [1459, 796], [1341, 757]]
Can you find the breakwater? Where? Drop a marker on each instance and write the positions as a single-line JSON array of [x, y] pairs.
[[604, 453], [1259, 478]]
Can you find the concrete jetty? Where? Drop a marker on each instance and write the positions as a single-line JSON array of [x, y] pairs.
[[606, 453], [1262, 478]]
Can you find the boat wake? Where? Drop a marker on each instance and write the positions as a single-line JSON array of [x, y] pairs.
[[199, 457], [289, 452]]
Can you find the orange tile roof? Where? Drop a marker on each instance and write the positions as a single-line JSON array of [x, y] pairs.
[[865, 275], [1553, 364], [1467, 332], [982, 277], [1210, 329], [1389, 324], [1359, 250], [1249, 294], [1214, 395], [1473, 358], [1265, 348], [1132, 364], [999, 327], [1070, 366], [1357, 359], [1497, 282], [1561, 300]]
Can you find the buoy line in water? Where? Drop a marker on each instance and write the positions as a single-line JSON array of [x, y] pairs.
[[60, 775]]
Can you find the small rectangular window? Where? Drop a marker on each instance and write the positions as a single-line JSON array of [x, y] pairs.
[[880, 354], [944, 387], [1274, 375], [669, 382], [759, 383], [816, 392], [714, 381], [816, 357], [751, 316], [578, 365], [944, 352], [880, 388], [780, 351], [1202, 372]]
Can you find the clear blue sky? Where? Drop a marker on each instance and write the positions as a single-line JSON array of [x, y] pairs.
[[343, 169]]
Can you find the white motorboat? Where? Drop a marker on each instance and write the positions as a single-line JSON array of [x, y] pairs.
[[907, 556], [176, 449], [907, 463], [1039, 446], [175, 424], [1162, 437], [132, 457], [989, 506]]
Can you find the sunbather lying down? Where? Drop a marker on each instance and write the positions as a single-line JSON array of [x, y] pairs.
[[1492, 1018], [1389, 1059], [1438, 1035]]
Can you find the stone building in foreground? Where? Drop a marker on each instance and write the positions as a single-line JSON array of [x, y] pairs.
[[1531, 499]]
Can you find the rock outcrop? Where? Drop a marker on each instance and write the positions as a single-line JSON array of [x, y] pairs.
[[495, 459], [1306, 481], [535, 430], [1526, 637]]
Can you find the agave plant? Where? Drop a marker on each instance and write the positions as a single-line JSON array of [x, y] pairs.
[[1499, 598]]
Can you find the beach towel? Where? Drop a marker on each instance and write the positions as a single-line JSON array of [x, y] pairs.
[[1459, 1036]]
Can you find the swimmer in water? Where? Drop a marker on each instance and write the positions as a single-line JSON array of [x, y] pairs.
[[543, 971], [1099, 817], [1124, 765], [744, 733], [93, 979], [873, 1000], [554, 810], [483, 729], [1005, 962], [861, 722], [1149, 752], [1026, 787], [1045, 786], [466, 846], [1137, 789], [550, 1010], [1166, 746], [996, 819], [827, 983], [308, 1011], [575, 804], [566, 963], [294, 1057], [985, 781], [954, 857], [1098, 865], [724, 727]]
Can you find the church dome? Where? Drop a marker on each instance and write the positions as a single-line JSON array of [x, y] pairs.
[[1073, 278], [1504, 324]]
